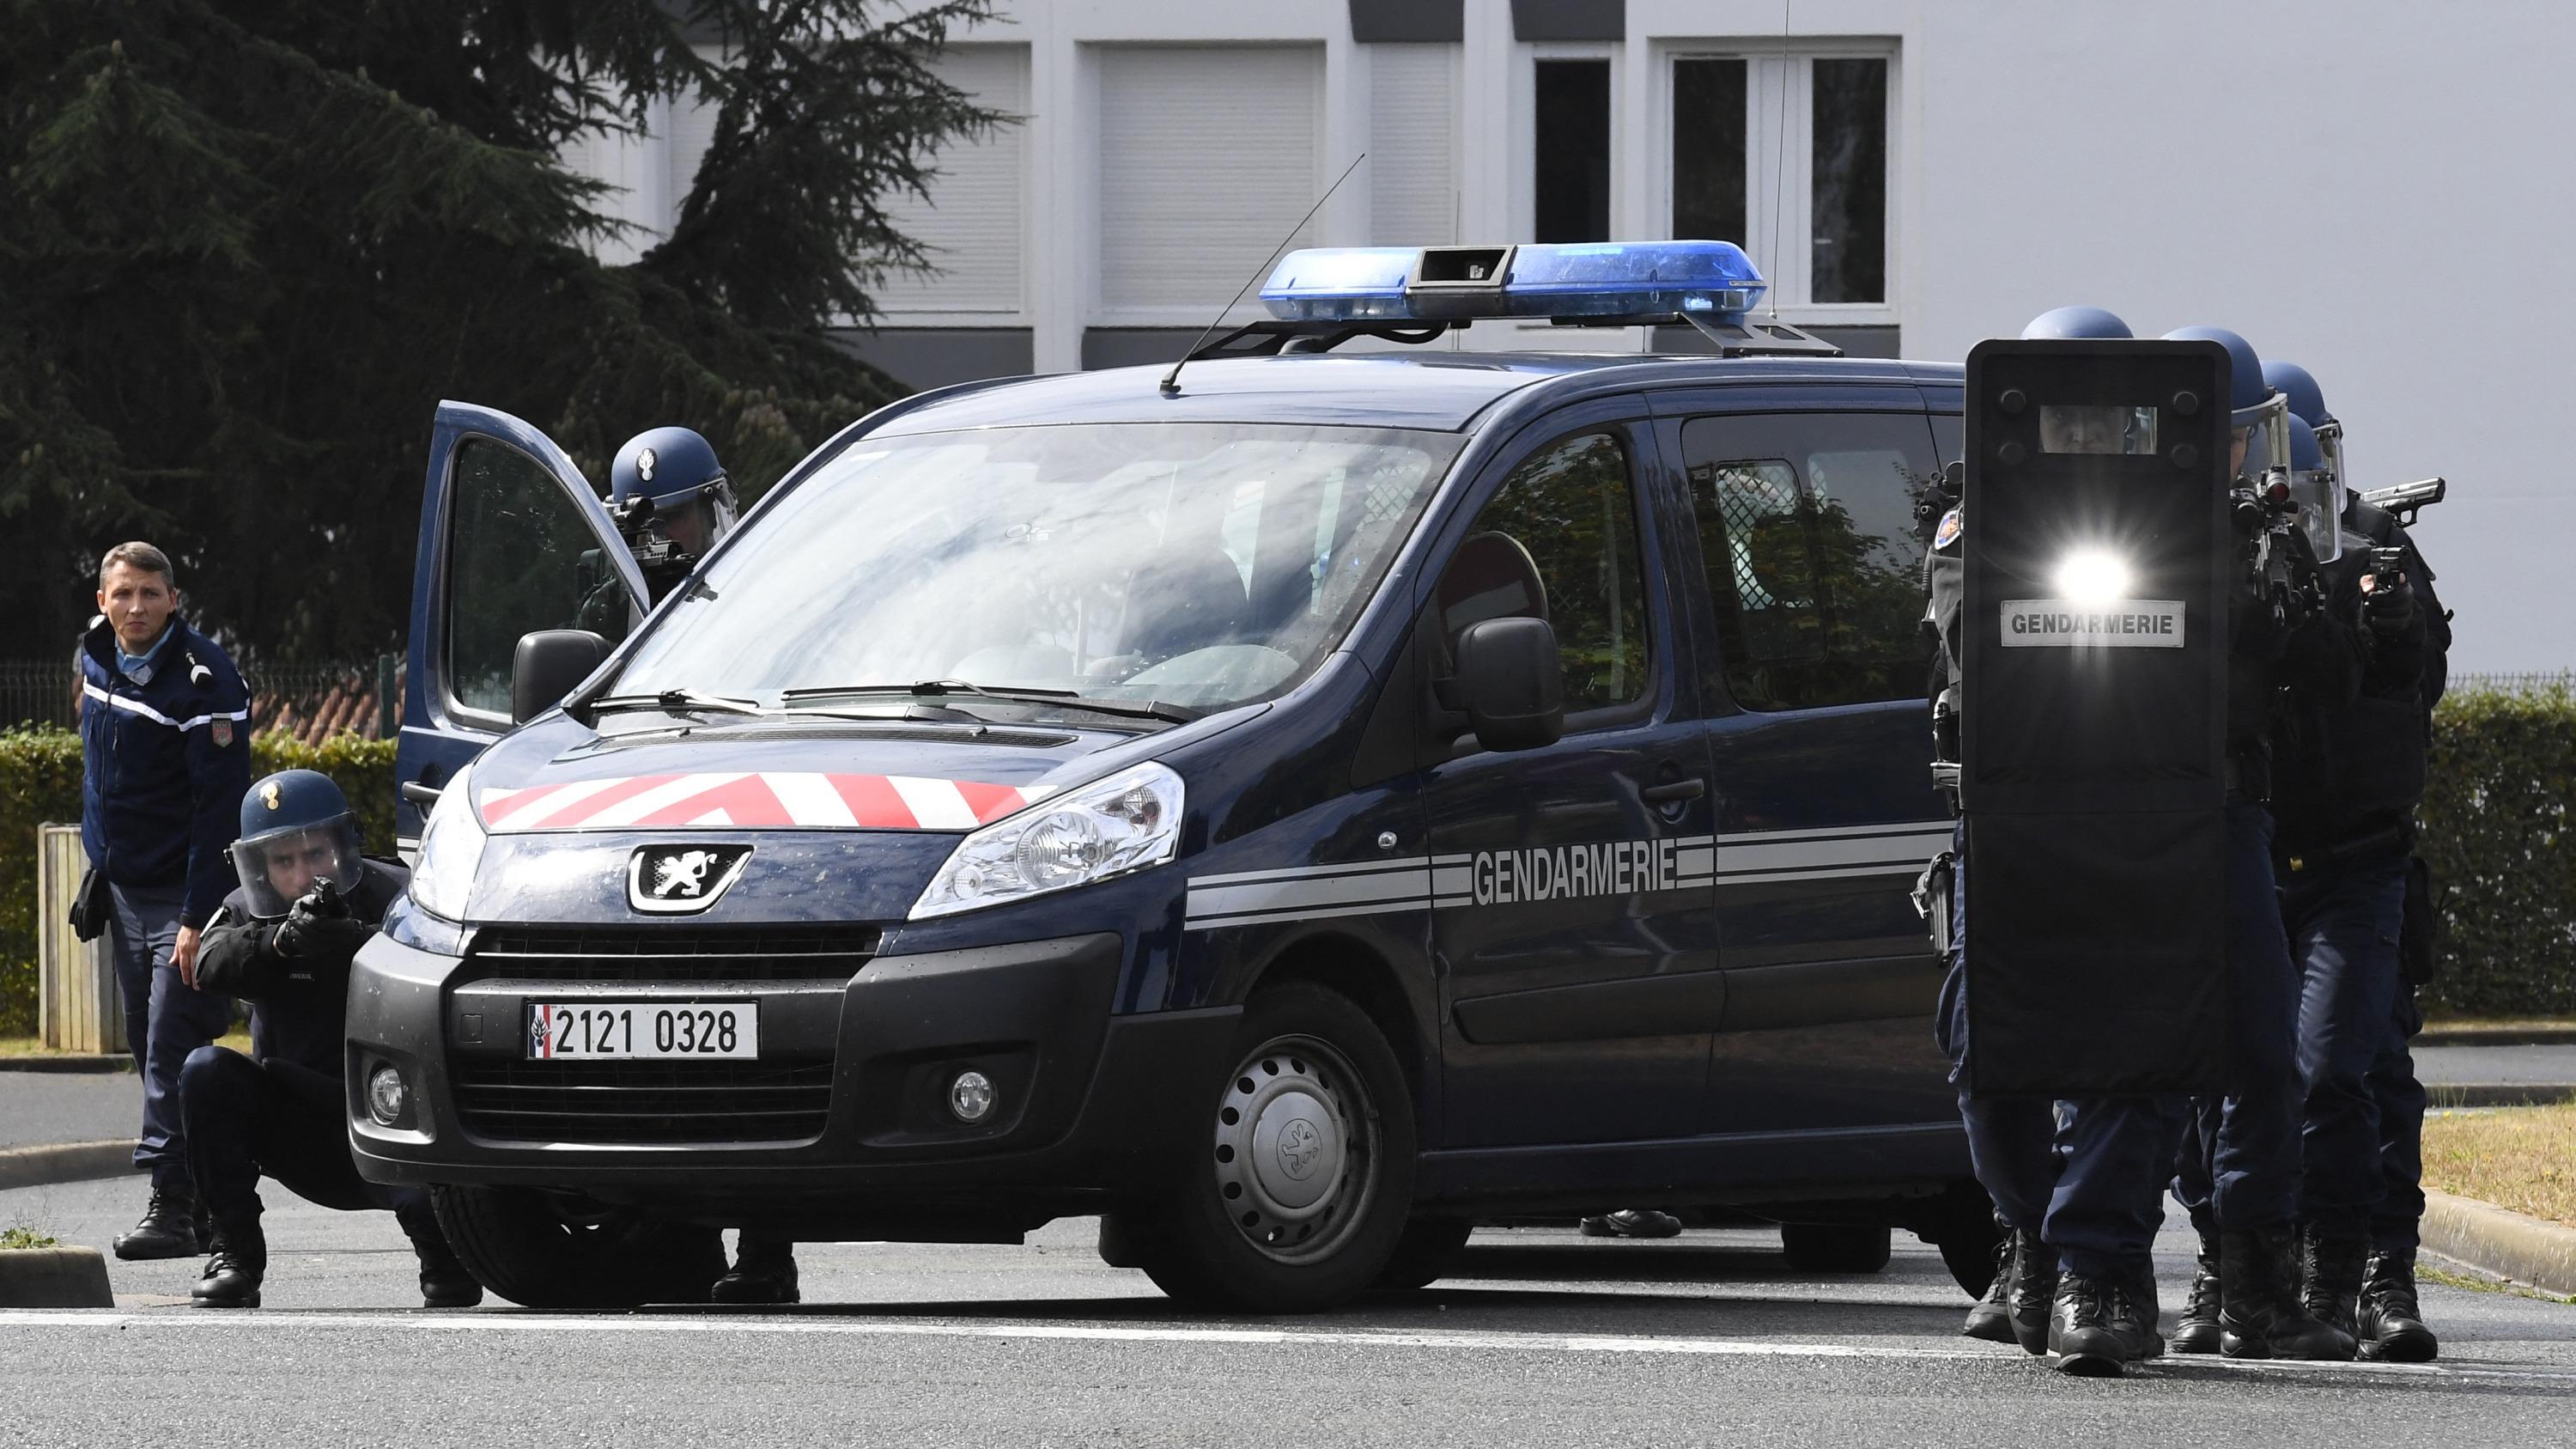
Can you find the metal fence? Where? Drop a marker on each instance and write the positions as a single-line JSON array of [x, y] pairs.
[[2513, 683], [311, 702]]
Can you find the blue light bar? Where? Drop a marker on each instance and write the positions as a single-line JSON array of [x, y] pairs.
[[1592, 279]]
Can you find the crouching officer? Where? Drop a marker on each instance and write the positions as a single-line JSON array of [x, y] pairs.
[[2348, 786], [672, 502], [283, 941]]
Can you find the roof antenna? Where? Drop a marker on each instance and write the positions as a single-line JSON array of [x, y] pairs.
[[1171, 383]]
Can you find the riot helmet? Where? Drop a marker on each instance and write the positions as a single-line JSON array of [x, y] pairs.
[[691, 500], [2075, 322], [296, 832], [2308, 401], [2316, 490], [2255, 408]]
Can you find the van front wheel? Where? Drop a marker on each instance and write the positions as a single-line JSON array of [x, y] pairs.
[[1303, 1181]]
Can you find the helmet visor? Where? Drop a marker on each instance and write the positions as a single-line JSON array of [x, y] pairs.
[[2320, 516], [281, 867], [2261, 439]]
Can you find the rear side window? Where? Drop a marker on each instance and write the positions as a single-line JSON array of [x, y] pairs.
[[1559, 542], [1810, 531]]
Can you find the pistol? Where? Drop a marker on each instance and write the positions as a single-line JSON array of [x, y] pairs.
[[2407, 499]]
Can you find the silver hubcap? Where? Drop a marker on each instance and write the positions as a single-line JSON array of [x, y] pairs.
[[1295, 1148]]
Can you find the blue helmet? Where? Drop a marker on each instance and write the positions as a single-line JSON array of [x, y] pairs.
[[676, 472], [2307, 400], [2251, 392], [296, 831], [2305, 455], [2076, 322]]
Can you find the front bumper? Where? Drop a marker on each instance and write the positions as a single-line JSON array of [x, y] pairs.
[[1091, 1106]]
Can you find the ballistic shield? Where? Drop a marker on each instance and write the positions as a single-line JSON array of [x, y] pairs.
[[2098, 565]]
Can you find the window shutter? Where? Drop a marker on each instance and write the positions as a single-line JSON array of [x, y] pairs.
[[1207, 158]]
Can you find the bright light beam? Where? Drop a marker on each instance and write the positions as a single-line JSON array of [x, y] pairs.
[[2092, 576]]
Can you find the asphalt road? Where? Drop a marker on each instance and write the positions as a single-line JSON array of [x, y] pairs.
[[1544, 1338], [90, 1107]]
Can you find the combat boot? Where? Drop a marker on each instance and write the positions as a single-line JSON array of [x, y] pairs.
[[764, 1271], [2391, 1325], [168, 1228], [1632, 1223], [2330, 1274], [445, 1281], [1991, 1318], [2101, 1325], [2196, 1331], [233, 1272], [2259, 1315], [2034, 1290]]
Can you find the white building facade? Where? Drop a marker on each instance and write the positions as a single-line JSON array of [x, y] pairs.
[[2372, 189]]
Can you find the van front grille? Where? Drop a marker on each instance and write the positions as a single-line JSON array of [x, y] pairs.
[[609, 1103], [665, 952]]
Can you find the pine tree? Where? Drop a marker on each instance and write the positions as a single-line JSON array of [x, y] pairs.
[[246, 247]]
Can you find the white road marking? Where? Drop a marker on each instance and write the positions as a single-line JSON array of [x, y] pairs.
[[514, 1322]]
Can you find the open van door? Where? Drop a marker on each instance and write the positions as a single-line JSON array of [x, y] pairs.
[[512, 539]]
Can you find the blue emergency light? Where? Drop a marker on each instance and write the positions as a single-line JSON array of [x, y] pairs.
[[1710, 279]]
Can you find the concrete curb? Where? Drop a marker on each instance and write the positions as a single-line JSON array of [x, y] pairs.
[[2439, 1095], [2500, 1241], [2495, 1036], [54, 1278], [65, 1162], [67, 1064]]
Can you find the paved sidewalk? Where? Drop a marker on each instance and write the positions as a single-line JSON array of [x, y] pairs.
[[43, 1107]]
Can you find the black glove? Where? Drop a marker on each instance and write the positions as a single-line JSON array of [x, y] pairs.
[[2389, 608], [320, 929]]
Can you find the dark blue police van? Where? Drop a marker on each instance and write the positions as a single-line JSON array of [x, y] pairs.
[[1295, 807]]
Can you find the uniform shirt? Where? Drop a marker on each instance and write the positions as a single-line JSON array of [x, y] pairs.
[[2358, 768], [165, 763], [299, 1004]]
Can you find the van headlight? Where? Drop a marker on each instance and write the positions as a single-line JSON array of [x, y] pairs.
[[451, 850], [1124, 823]]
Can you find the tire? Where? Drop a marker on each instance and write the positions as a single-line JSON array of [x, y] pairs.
[[1424, 1254], [1302, 1192], [1835, 1247], [546, 1252]]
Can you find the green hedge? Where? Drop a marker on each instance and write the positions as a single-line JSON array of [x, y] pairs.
[[2496, 820], [40, 780]]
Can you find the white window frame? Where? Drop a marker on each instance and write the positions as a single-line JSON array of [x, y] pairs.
[[1779, 140]]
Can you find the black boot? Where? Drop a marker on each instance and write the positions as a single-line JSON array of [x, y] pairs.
[[445, 1281], [2330, 1273], [168, 1228], [2034, 1290], [2101, 1325], [2391, 1325], [234, 1270], [2259, 1315], [2197, 1329], [1991, 1319], [764, 1271]]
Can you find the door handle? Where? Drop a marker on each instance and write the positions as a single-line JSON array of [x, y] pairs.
[[1672, 790], [420, 793]]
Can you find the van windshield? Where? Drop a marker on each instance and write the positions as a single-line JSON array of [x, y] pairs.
[[1193, 565]]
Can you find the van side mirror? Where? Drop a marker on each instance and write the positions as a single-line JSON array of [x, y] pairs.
[[1511, 684], [546, 666]]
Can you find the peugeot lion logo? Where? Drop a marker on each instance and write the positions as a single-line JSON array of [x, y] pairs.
[[675, 879]]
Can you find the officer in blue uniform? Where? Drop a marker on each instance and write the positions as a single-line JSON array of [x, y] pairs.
[[283, 941], [165, 742], [2346, 786], [673, 501], [2086, 1195]]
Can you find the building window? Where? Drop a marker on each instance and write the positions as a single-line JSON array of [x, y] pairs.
[[1573, 151], [1787, 155]]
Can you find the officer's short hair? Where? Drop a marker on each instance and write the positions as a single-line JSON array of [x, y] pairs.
[[141, 555]]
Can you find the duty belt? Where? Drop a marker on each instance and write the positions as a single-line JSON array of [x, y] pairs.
[[2397, 838]]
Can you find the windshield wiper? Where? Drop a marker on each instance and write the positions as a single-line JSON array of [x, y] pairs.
[[679, 699], [1006, 693]]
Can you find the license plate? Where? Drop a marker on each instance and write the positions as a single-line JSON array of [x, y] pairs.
[[583, 1030]]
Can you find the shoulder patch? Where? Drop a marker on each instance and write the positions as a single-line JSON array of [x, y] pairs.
[[222, 731], [1952, 525]]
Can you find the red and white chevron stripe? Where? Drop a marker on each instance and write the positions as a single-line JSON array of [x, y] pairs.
[[773, 798]]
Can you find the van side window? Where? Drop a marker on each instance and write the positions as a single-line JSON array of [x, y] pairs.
[[1559, 542], [522, 558], [1809, 533]]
